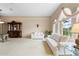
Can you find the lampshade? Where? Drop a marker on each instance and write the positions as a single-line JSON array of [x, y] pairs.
[[75, 28]]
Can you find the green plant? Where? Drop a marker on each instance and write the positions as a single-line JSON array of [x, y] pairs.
[[47, 33]]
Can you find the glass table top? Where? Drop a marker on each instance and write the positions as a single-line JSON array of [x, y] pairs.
[[71, 50]]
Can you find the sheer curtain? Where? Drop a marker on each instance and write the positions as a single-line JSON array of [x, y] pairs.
[[55, 27]]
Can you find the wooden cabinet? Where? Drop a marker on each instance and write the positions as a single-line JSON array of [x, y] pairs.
[[14, 29]]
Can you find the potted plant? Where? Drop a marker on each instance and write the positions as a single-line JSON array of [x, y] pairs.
[[47, 33]]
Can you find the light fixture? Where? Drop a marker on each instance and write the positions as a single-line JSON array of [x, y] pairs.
[[55, 20], [1, 22]]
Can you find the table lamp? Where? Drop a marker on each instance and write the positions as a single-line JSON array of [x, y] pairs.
[[75, 29]]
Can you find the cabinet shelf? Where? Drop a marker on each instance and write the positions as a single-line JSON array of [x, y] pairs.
[[14, 29]]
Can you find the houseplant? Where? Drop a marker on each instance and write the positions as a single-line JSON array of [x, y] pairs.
[[47, 33]]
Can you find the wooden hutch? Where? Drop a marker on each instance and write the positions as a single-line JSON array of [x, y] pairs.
[[14, 29]]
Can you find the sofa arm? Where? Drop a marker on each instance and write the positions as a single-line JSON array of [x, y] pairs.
[[53, 45]]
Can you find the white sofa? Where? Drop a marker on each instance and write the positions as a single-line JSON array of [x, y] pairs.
[[37, 35], [54, 41]]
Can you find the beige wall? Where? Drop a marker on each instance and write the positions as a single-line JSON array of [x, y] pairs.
[[29, 24], [3, 28]]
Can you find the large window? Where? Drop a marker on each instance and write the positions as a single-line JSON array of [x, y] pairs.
[[67, 27]]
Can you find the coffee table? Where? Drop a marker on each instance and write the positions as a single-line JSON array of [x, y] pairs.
[[71, 50], [68, 49]]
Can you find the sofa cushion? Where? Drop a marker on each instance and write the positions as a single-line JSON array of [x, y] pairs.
[[53, 45], [63, 38], [55, 37], [53, 42]]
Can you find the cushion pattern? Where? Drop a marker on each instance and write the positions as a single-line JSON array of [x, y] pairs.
[[54, 41], [55, 37]]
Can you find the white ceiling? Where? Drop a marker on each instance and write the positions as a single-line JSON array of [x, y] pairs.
[[28, 9]]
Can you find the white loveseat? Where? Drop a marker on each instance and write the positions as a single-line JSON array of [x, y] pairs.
[[37, 35], [54, 41]]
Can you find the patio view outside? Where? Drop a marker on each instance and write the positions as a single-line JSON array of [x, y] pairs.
[[67, 24]]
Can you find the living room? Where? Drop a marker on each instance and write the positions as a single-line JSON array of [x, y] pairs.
[[38, 29]]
